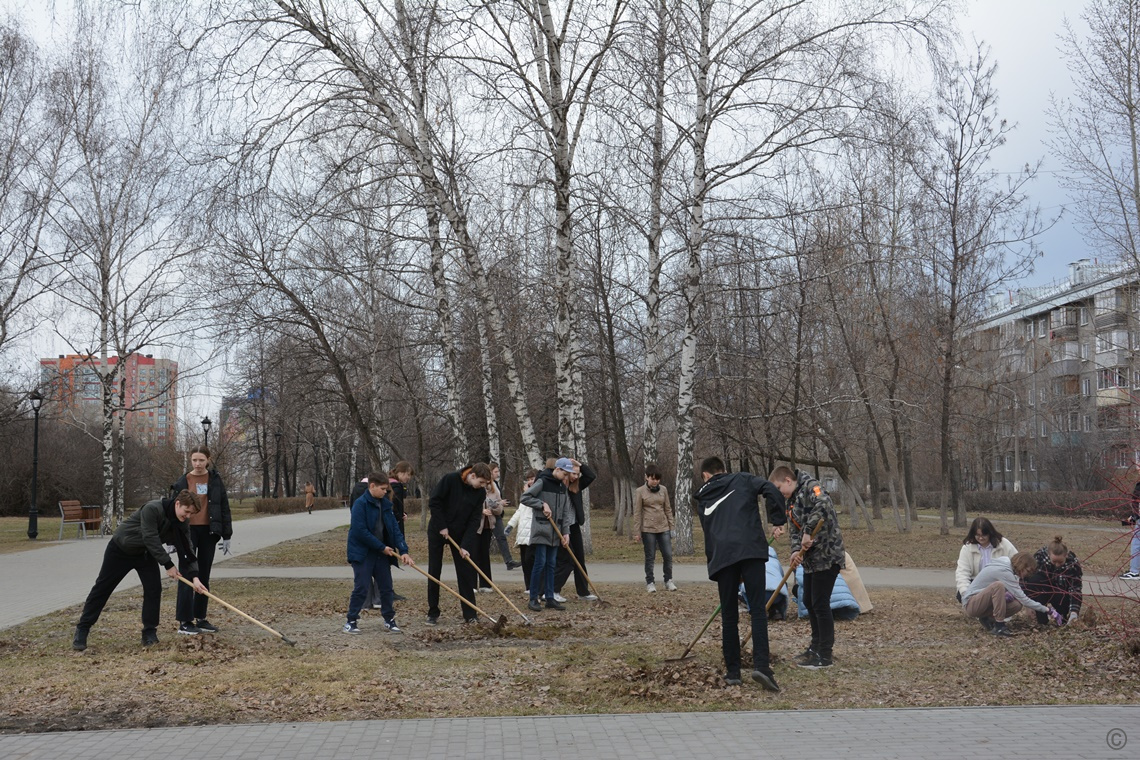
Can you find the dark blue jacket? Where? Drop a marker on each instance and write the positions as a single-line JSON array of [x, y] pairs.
[[366, 534]]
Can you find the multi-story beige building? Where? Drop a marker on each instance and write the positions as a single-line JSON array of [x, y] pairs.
[[1061, 375]]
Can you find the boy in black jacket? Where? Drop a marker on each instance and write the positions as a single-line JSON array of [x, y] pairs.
[[456, 507], [138, 545], [737, 549]]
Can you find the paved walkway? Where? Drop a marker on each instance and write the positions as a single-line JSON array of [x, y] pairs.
[[60, 574], [1070, 731]]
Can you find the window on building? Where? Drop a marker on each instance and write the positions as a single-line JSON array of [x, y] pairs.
[[1111, 377], [1086, 351], [1033, 463], [1042, 326], [997, 464], [1088, 423], [1029, 329], [1009, 462], [1074, 422], [1086, 386], [1041, 395], [1103, 343], [1084, 315], [1044, 428]]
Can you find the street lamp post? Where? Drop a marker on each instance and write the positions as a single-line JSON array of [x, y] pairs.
[[277, 467], [37, 400], [206, 431]]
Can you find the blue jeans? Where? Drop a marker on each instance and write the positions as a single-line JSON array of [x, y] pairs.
[[378, 568], [545, 560], [650, 542], [1134, 562]]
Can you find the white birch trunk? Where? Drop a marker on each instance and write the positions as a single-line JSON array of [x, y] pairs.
[[683, 541], [488, 391], [447, 339]]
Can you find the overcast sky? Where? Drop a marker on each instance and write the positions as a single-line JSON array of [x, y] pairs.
[[1023, 35]]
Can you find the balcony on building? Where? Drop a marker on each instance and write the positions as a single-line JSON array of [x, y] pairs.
[[1112, 396]]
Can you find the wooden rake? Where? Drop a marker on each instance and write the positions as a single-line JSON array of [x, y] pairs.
[[250, 618], [485, 577], [498, 623], [600, 602]]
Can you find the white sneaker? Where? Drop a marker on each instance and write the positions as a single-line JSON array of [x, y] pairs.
[[669, 584], [1130, 576], [559, 598], [589, 598], [651, 588]]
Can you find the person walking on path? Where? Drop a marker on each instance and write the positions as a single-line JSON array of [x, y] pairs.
[[578, 481], [981, 545], [374, 542], [653, 526], [1133, 519], [996, 594], [138, 545], [492, 515], [209, 526], [810, 506], [736, 549], [549, 498], [1058, 581], [456, 507], [310, 496]]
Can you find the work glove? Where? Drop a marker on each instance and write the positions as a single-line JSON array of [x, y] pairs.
[[1056, 616], [224, 545], [1072, 616]]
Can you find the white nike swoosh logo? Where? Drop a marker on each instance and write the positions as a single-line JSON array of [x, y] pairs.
[[709, 509]]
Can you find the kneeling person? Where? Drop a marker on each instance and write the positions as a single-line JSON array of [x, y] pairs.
[[138, 545], [996, 594]]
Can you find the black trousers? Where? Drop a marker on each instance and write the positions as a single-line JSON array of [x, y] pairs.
[[526, 554], [501, 540], [463, 571], [566, 565], [116, 565], [751, 572], [191, 605], [482, 557], [1038, 588], [817, 596]]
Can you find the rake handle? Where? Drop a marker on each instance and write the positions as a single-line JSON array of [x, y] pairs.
[[250, 618], [487, 578], [577, 564], [453, 592]]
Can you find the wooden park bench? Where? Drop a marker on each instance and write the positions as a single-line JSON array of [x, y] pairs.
[[84, 516]]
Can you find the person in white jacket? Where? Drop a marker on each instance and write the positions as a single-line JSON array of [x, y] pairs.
[[996, 593], [520, 524], [980, 547]]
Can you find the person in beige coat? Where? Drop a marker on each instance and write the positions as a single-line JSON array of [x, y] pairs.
[[653, 526], [982, 545]]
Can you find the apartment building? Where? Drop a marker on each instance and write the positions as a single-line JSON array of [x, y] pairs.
[[1061, 367], [151, 386]]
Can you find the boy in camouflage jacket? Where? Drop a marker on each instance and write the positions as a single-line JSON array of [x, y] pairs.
[[810, 505]]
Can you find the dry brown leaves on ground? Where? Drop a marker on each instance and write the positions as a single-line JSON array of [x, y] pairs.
[[916, 648]]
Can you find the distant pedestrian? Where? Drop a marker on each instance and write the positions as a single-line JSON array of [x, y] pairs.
[[653, 526], [138, 545], [374, 543], [810, 511], [211, 528], [550, 501], [737, 549], [498, 531], [310, 496]]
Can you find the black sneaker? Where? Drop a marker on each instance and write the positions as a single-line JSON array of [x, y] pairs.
[[432, 620], [534, 606], [205, 626], [767, 680], [350, 627], [79, 643], [149, 637], [732, 679], [399, 598], [188, 629], [987, 623], [805, 656], [817, 662], [514, 564], [552, 604], [1000, 629]]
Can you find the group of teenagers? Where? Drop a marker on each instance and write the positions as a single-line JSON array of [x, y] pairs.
[[994, 581]]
